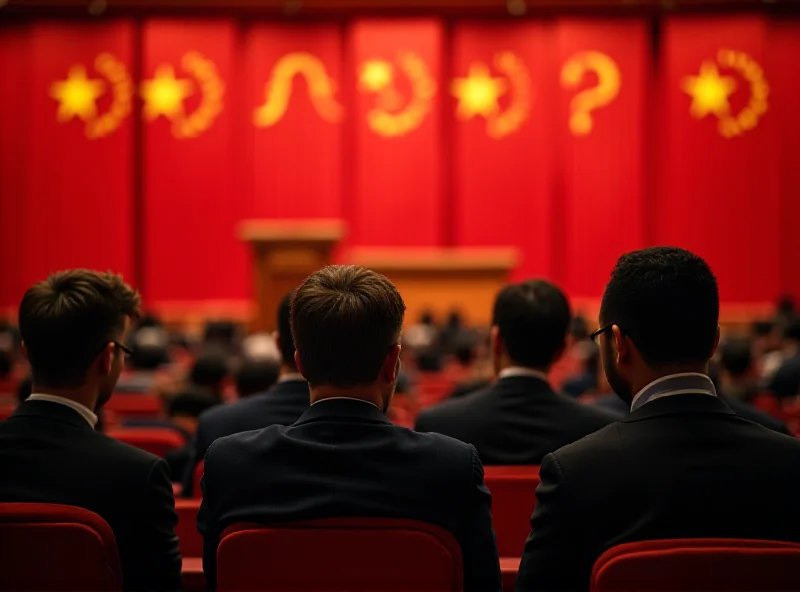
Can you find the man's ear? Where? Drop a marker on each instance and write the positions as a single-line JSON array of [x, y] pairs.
[[297, 362], [24, 350], [106, 358], [621, 344], [391, 367], [496, 345], [716, 343]]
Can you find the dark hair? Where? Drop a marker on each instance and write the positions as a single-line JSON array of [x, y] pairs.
[[736, 356], [209, 370], [533, 318], [666, 300], [6, 364], [148, 357], [464, 350], [792, 330], [190, 404], [762, 328], [67, 319], [345, 319], [285, 330], [256, 376], [24, 389]]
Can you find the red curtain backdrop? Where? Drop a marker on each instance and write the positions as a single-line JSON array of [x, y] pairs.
[[191, 209], [720, 196], [503, 177], [417, 132], [396, 180], [602, 169], [68, 194]]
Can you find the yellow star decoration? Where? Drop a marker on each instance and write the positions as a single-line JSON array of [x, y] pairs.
[[77, 95], [709, 91], [164, 94], [376, 75], [478, 93]]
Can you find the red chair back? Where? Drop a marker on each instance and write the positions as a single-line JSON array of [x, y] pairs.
[[197, 491], [134, 406], [711, 565], [54, 547], [354, 554], [189, 538], [156, 441], [513, 499], [6, 410]]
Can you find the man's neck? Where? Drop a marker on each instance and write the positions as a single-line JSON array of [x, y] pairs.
[[510, 364], [652, 374], [368, 393], [81, 395]]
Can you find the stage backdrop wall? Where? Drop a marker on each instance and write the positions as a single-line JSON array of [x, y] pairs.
[[138, 145]]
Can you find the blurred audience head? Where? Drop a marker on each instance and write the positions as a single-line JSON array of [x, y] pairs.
[[736, 357], [578, 328], [185, 408], [429, 360], [529, 325], [221, 335], [72, 326], [792, 332], [346, 322], [284, 337], [24, 389], [6, 365], [256, 376], [465, 350], [209, 372], [660, 310]]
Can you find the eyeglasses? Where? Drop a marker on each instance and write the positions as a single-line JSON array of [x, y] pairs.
[[125, 349], [600, 331]]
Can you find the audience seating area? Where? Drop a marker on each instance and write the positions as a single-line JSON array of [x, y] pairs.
[[158, 441]]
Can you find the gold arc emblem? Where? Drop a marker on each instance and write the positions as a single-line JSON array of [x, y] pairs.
[[710, 92], [77, 96], [583, 103], [479, 92], [321, 89], [164, 95], [389, 117]]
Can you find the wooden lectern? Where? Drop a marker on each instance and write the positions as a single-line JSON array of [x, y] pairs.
[[285, 252]]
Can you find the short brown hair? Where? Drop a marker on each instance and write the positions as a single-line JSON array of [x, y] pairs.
[[345, 319], [66, 319]]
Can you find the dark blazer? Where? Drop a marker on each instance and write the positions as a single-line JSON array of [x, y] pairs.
[[683, 466], [515, 421], [50, 454], [741, 408], [280, 405], [343, 458]]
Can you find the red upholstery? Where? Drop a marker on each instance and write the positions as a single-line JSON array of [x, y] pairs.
[[769, 403], [698, 564], [135, 406], [54, 547], [197, 491], [6, 409], [354, 554], [432, 388], [513, 499], [188, 536], [157, 441]]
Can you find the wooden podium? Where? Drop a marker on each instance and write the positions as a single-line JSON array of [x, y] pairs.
[[285, 252]]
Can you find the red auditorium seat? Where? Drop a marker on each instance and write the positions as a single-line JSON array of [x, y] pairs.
[[188, 536], [134, 406], [355, 554], [157, 441], [55, 548], [513, 500], [6, 409], [432, 388], [698, 564]]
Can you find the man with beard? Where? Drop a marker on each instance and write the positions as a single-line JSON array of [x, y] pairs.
[[682, 464], [343, 457], [73, 325]]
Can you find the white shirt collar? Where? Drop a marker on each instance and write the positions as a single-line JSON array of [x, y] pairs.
[[84, 411], [291, 376], [346, 399], [521, 371], [674, 384]]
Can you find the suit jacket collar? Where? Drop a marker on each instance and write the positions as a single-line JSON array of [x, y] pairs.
[[52, 411], [290, 388], [686, 404], [347, 409], [524, 383]]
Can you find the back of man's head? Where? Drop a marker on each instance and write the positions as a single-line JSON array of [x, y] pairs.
[[210, 371], [285, 339], [736, 356], [345, 320], [67, 319], [666, 300], [532, 319], [256, 376]]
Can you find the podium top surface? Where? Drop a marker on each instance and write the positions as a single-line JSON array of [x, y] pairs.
[[435, 259], [322, 230]]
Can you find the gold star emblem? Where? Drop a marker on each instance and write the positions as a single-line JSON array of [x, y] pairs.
[[376, 75], [77, 95], [164, 94], [709, 91], [478, 93]]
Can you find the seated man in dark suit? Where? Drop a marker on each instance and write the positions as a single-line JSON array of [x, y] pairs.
[[519, 419], [682, 464], [343, 458], [282, 404], [72, 325]]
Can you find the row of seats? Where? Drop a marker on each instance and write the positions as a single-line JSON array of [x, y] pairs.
[[359, 554]]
